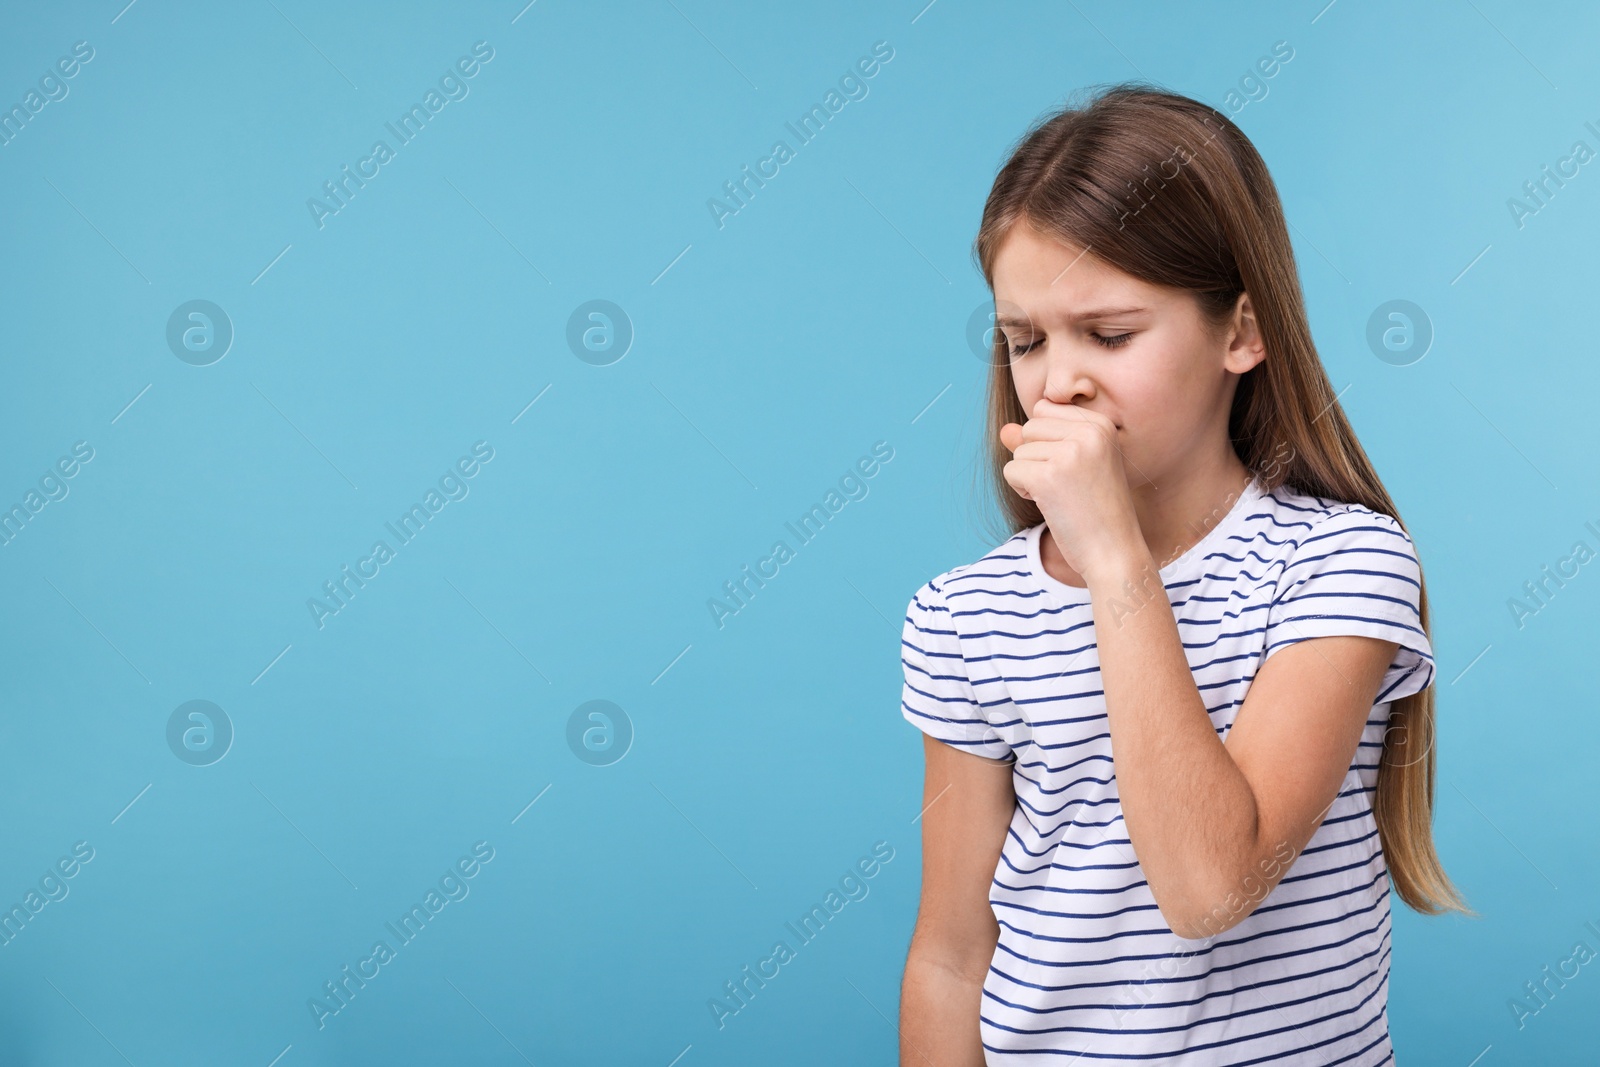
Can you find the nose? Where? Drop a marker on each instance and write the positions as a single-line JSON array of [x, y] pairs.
[[1065, 382]]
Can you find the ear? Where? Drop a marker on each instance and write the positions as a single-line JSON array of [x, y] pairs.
[[1245, 345]]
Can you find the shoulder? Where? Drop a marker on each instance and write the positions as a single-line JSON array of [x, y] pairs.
[[1335, 545], [1310, 523], [1000, 573], [1347, 570]]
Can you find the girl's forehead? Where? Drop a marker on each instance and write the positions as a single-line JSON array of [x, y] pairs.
[[1040, 279], [1063, 304], [1049, 271]]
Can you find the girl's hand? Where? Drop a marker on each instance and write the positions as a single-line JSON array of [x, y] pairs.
[[1067, 461]]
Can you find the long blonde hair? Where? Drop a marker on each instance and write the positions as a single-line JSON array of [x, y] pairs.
[[1205, 217]]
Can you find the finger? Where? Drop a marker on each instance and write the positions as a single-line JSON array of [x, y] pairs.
[[1051, 429], [1011, 436], [1071, 413], [1014, 478], [1037, 451], [1083, 427], [1085, 445], [1045, 408], [1023, 474]]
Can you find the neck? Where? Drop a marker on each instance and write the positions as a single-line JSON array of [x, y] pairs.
[[1177, 513]]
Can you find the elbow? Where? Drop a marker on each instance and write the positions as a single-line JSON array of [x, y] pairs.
[[961, 952], [1215, 899], [949, 967], [1197, 925], [1215, 908]]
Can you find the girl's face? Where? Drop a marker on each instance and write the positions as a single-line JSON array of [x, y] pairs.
[[1078, 331]]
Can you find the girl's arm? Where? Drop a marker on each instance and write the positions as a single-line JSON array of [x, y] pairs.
[[968, 802], [1216, 826]]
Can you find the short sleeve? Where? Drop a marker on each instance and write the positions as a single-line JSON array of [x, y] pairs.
[[1356, 572], [937, 697]]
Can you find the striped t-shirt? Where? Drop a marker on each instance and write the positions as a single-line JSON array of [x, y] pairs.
[[1000, 660]]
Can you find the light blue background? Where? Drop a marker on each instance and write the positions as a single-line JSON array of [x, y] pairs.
[[829, 314]]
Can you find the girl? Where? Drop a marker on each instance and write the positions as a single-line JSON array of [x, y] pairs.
[[1179, 729]]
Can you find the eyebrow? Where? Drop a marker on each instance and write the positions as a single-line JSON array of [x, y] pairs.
[[1091, 313]]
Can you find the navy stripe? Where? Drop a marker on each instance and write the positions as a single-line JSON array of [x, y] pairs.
[[1165, 932], [1191, 1047], [1251, 963], [1376, 972], [1304, 876]]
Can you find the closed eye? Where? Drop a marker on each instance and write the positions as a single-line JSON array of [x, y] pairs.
[[1103, 340]]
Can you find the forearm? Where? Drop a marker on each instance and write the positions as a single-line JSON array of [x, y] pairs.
[[939, 1015], [1189, 810]]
